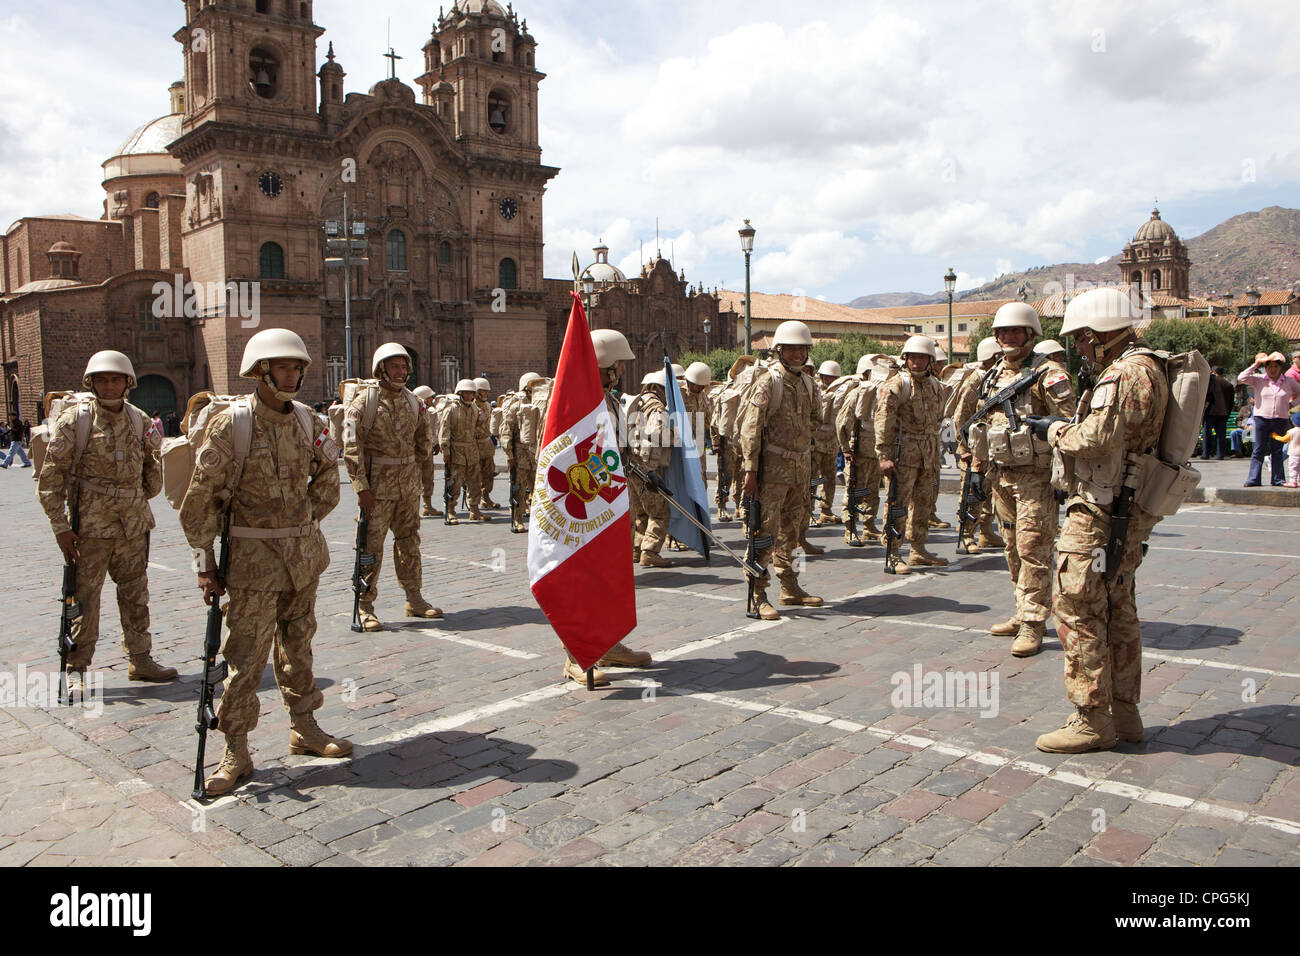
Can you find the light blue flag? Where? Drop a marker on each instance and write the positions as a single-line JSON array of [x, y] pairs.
[[683, 476]]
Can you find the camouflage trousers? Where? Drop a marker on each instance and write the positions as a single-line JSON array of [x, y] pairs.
[[258, 621], [427, 485], [729, 468], [866, 475], [402, 517], [823, 466], [1097, 620], [487, 467], [917, 491], [525, 475], [649, 517], [464, 475], [1027, 510], [126, 561], [785, 508]]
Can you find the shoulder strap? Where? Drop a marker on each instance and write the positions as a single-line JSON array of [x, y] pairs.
[[137, 420], [372, 407], [415, 402], [241, 420], [85, 418]]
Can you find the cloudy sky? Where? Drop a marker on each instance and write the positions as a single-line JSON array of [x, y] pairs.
[[873, 145]]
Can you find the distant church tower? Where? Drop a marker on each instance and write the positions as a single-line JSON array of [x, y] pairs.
[[1156, 259]]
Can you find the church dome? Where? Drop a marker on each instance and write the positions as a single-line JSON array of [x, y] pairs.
[[144, 152], [1155, 229], [63, 246], [601, 270], [480, 6]]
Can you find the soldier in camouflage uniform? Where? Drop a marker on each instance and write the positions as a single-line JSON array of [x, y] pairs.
[[390, 461], [520, 432], [856, 427], [425, 394], [649, 450], [458, 436], [729, 456], [487, 466], [108, 484], [826, 445], [289, 483], [695, 402], [968, 395], [1021, 477], [1097, 619], [775, 439], [911, 403]]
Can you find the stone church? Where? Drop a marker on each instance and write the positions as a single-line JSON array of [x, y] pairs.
[[216, 216]]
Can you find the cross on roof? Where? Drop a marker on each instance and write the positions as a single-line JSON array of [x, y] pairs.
[[392, 63]]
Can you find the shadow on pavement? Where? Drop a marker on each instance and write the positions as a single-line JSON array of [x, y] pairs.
[[1249, 732], [1171, 636], [903, 605], [747, 670]]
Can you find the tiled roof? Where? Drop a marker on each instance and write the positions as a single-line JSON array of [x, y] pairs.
[[781, 308]]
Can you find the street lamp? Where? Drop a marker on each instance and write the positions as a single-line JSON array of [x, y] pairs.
[[342, 239], [747, 246], [588, 287], [950, 283], [707, 326]]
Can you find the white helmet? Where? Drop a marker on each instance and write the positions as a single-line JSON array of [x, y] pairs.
[[528, 379], [1017, 315], [114, 363], [611, 347], [792, 333], [830, 368], [655, 378], [678, 371], [864, 363], [1049, 347], [697, 373], [482, 384], [423, 393], [919, 345], [386, 351], [466, 385], [272, 344], [1102, 310], [939, 354], [987, 349]]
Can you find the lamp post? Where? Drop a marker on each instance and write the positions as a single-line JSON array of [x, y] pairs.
[[950, 283], [341, 240], [1065, 304], [747, 246], [707, 326], [588, 288]]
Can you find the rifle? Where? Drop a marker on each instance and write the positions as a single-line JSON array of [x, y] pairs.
[[1006, 396], [850, 508], [724, 478], [893, 511], [748, 565], [213, 673], [514, 473], [69, 612], [813, 485], [1120, 515], [448, 495], [967, 503], [754, 543], [361, 564]]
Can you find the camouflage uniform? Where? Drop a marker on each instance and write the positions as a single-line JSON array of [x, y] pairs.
[[1022, 494], [1097, 620], [648, 450], [916, 466], [697, 418], [968, 397], [115, 477], [278, 552], [393, 460], [458, 438], [521, 430], [859, 415], [486, 453], [825, 451], [429, 476], [776, 445]]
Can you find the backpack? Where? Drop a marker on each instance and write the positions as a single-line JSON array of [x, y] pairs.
[[56, 403], [755, 376], [835, 396], [348, 390], [178, 453], [953, 380], [1167, 479]]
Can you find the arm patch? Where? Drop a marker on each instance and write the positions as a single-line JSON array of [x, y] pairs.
[[1104, 395]]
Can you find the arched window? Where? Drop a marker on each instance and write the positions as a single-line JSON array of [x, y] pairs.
[[263, 72], [498, 112], [263, 6], [508, 274], [1137, 278], [444, 254], [151, 201], [148, 321], [1155, 278], [397, 251], [271, 261]]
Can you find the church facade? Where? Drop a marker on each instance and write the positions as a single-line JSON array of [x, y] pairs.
[[218, 216]]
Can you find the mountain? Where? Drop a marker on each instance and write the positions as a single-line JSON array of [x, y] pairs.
[[1255, 248]]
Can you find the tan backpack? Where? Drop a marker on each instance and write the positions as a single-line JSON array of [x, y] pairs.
[[348, 389], [56, 403]]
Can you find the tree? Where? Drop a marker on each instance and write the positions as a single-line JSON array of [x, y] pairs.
[[1212, 339]]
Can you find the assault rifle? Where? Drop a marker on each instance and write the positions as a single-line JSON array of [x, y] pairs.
[[1120, 515], [448, 493], [724, 478], [753, 543], [1005, 397], [968, 502], [69, 614], [362, 563], [213, 673], [894, 510]]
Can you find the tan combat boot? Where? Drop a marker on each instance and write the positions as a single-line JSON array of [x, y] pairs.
[[476, 515], [144, 667], [854, 542], [518, 527], [723, 515], [422, 608], [1006, 628], [620, 655], [793, 595], [1128, 725], [368, 620], [1029, 639], [236, 765], [921, 558], [871, 529], [306, 737], [989, 538], [636, 555], [1088, 728], [939, 525], [76, 682], [452, 519], [575, 673], [429, 511], [812, 550], [651, 560], [765, 610]]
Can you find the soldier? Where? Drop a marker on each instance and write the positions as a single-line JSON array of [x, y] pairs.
[[967, 400], [1021, 470], [1053, 349], [826, 445], [649, 449], [458, 436], [725, 411], [909, 407], [1096, 616], [520, 431], [102, 467], [775, 437], [389, 456], [856, 427], [289, 483], [425, 394], [695, 402], [487, 466]]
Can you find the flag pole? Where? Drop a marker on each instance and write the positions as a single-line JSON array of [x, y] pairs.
[[591, 678]]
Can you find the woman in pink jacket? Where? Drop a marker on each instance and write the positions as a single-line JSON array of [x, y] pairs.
[[1274, 395]]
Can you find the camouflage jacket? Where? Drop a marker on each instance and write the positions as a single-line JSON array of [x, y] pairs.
[[483, 429], [397, 449], [781, 441], [918, 418]]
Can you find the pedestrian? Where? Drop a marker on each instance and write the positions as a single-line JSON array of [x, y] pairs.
[[16, 444], [1292, 440], [1274, 395], [1218, 403], [100, 470], [388, 453]]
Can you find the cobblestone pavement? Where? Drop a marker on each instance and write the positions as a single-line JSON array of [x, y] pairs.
[[749, 743]]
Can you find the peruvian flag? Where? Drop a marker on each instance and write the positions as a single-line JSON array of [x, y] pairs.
[[580, 537]]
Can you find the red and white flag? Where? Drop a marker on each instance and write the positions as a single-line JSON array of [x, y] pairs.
[[580, 536]]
